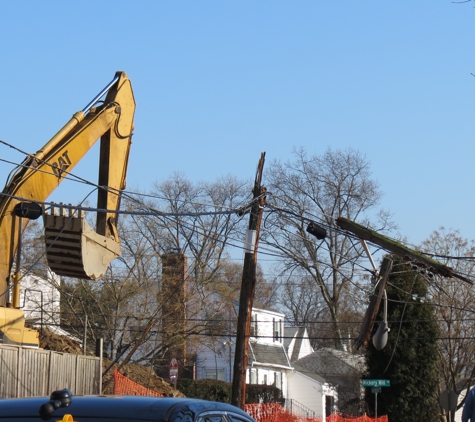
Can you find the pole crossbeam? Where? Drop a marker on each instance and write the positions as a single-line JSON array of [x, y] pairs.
[[397, 248]]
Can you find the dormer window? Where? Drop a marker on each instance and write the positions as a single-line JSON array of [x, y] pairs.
[[276, 330], [254, 325]]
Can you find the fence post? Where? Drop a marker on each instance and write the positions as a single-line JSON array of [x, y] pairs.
[[99, 354]]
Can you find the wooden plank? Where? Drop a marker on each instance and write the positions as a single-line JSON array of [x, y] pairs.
[[34, 369], [8, 368]]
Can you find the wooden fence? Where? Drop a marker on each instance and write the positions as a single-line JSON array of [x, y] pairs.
[[37, 372]]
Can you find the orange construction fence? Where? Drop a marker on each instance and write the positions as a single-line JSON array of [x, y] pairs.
[[263, 412], [274, 412], [125, 386]]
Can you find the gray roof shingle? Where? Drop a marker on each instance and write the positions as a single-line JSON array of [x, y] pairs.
[[273, 354], [335, 366]]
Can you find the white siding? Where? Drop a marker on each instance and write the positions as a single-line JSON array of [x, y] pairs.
[[306, 391], [305, 347], [266, 375], [36, 294], [265, 325]]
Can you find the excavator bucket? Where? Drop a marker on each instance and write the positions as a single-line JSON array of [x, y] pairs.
[[74, 249]]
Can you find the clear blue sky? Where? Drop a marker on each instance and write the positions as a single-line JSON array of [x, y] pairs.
[[217, 82]]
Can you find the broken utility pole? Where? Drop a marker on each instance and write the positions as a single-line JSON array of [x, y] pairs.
[[397, 248], [374, 304], [248, 286]]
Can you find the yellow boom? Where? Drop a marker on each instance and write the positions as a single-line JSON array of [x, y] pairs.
[[73, 248]]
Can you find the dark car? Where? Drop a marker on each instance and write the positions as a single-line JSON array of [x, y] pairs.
[[63, 406]]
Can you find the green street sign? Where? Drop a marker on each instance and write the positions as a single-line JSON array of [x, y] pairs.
[[375, 383]]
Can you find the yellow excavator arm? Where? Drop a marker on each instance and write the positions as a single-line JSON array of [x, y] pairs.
[[73, 248]]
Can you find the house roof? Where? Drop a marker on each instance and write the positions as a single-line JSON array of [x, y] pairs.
[[336, 366], [257, 306], [291, 333], [261, 306], [309, 373], [268, 354]]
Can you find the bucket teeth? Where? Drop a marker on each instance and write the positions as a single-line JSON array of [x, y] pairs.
[[74, 249]]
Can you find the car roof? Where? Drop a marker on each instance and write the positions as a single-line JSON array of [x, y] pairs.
[[136, 408]]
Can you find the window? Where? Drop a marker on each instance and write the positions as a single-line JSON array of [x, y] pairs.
[[278, 380], [276, 325], [254, 325], [328, 405], [215, 374], [265, 379], [253, 379]]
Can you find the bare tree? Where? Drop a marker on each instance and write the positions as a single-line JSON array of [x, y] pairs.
[[196, 219], [126, 306], [454, 311], [320, 188]]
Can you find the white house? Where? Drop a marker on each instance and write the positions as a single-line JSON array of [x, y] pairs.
[[342, 371], [273, 349], [268, 361], [39, 298], [296, 342], [304, 387], [310, 390], [40, 302]]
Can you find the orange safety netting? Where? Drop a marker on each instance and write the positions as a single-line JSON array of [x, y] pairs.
[[125, 386], [263, 412], [274, 412]]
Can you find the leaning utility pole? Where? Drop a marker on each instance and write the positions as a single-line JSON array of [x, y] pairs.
[[398, 248], [248, 286], [374, 304]]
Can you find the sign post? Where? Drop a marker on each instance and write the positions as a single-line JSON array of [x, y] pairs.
[[173, 372], [448, 400], [376, 388]]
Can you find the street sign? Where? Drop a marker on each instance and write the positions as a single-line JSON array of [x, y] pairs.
[[375, 383], [173, 372], [448, 399], [376, 390], [173, 368]]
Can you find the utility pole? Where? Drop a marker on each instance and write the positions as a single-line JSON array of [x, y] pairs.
[[398, 248], [248, 286], [374, 304]]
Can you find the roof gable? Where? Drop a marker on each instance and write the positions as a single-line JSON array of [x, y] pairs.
[[270, 354]]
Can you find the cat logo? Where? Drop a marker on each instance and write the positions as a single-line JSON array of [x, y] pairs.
[[62, 165]]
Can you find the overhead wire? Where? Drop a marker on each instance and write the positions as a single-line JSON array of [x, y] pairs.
[[73, 177], [154, 212]]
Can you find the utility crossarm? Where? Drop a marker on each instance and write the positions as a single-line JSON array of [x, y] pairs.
[[397, 248]]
